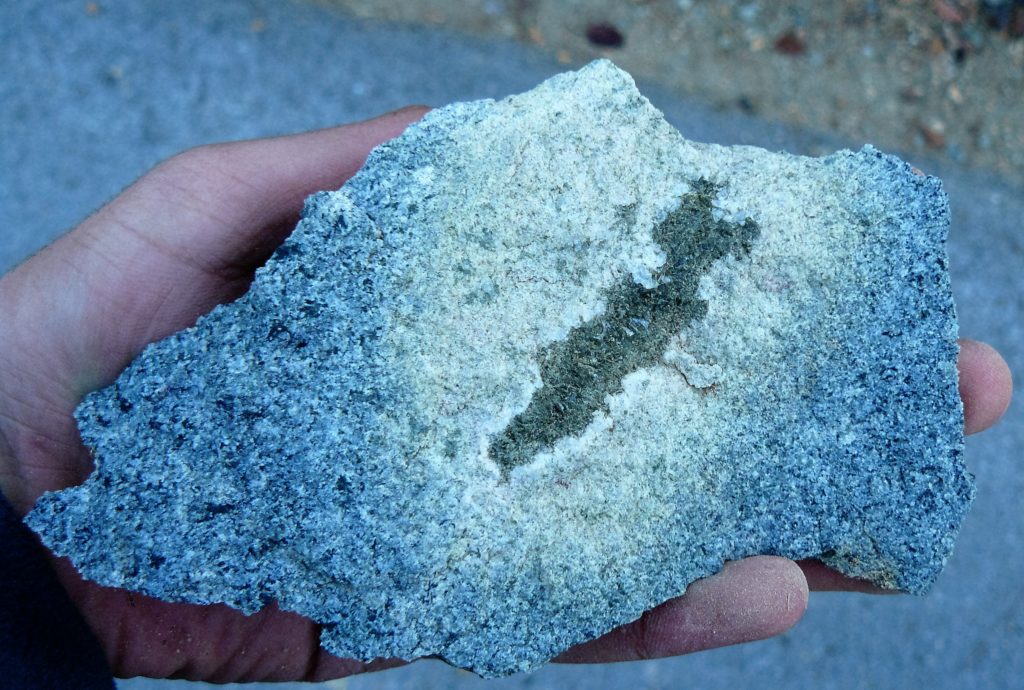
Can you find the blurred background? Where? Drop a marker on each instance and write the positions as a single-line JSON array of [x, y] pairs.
[[940, 77], [94, 93]]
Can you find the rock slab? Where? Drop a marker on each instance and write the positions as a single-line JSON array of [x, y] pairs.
[[537, 367]]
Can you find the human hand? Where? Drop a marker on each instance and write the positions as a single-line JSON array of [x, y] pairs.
[[188, 236]]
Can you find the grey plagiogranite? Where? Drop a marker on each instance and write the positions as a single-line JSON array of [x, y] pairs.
[[358, 437]]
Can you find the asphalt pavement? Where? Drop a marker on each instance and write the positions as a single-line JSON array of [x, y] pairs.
[[92, 95]]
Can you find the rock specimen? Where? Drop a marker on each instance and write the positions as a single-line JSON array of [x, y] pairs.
[[537, 367]]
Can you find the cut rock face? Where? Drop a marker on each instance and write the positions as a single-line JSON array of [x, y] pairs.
[[537, 367]]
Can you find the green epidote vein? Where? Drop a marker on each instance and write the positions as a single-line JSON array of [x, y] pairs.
[[578, 373]]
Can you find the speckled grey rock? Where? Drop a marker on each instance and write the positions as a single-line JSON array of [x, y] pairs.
[[537, 367]]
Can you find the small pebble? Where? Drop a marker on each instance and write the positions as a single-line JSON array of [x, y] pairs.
[[911, 94], [934, 133], [1016, 28], [605, 35], [790, 43], [949, 12]]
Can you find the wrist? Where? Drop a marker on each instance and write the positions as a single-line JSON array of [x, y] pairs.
[[8, 479], [10, 486]]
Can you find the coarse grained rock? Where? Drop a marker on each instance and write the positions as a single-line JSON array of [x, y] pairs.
[[537, 367]]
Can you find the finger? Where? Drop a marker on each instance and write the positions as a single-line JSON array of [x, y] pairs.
[[181, 240], [986, 385], [228, 206], [821, 578], [748, 600], [145, 636]]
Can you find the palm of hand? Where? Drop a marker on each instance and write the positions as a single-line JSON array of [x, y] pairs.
[[184, 238]]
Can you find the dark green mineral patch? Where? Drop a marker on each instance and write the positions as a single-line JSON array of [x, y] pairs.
[[632, 332]]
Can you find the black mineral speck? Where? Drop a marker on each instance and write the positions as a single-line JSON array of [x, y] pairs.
[[219, 508]]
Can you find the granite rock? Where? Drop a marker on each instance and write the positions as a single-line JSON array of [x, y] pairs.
[[537, 367]]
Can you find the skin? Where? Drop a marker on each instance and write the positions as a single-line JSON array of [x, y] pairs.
[[188, 236]]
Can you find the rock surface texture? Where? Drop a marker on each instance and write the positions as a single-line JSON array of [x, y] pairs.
[[537, 367]]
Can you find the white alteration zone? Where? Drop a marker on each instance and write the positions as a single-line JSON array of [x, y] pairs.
[[522, 255], [702, 375], [639, 482]]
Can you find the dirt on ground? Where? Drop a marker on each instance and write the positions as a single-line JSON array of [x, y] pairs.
[[940, 77]]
